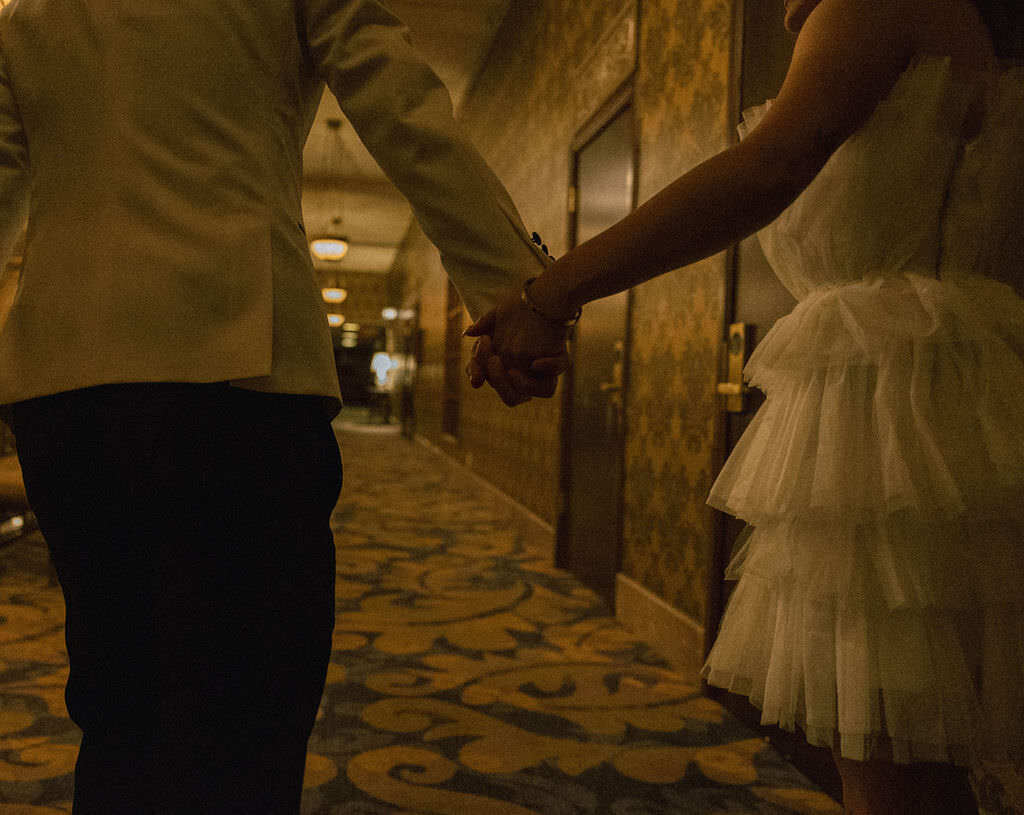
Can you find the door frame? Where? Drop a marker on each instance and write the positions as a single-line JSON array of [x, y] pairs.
[[621, 99], [411, 338], [721, 544], [451, 389], [813, 762]]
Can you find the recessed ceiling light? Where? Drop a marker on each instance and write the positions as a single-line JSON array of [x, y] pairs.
[[329, 248], [334, 295]]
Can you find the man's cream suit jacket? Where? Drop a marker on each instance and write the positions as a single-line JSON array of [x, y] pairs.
[[156, 146]]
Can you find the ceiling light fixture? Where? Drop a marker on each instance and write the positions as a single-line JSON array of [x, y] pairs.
[[333, 295], [330, 249], [335, 320], [332, 246]]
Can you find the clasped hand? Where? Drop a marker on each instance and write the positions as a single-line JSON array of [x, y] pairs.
[[518, 352]]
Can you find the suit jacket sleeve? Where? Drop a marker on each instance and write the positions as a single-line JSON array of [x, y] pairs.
[[14, 179], [403, 114]]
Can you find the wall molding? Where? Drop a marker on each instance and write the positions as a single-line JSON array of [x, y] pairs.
[[607, 65], [673, 634]]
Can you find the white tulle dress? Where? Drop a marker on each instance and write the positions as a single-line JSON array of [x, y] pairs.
[[880, 603]]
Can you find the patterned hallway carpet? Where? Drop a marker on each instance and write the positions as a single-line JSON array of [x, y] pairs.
[[469, 676]]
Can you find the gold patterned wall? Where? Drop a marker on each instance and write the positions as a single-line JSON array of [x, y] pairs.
[[523, 113], [682, 94]]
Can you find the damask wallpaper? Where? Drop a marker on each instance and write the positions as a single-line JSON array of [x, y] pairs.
[[682, 95]]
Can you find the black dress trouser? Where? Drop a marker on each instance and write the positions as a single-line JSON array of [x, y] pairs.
[[189, 527]]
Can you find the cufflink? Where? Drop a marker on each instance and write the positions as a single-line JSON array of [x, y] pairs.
[[543, 246]]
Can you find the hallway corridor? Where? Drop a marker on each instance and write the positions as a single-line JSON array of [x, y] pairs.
[[469, 676]]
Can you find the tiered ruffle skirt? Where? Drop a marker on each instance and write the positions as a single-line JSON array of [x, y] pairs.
[[880, 603]]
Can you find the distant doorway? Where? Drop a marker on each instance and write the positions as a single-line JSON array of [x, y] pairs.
[[410, 357], [589, 530], [451, 404]]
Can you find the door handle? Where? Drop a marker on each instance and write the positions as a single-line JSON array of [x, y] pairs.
[[734, 389], [613, 388]]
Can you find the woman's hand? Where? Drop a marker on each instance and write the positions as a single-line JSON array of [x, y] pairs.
[[519, 352]]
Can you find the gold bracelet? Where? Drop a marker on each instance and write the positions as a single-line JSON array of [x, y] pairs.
[[528, 302]]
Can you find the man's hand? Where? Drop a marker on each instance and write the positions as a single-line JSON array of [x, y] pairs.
[[519, 352]]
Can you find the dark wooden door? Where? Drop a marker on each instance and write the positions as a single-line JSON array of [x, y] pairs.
[[452, 403], [590, 524], [411, 340], [756, 301]]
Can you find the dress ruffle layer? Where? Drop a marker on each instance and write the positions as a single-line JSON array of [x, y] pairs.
[[912, 683], [894, 395]]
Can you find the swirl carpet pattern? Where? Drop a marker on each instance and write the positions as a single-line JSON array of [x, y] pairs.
[[469, 676]]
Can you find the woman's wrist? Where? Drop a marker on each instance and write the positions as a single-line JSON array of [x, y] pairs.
[[543, 299]]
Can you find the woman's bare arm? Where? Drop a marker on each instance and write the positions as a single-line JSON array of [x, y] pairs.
[[848, 56]]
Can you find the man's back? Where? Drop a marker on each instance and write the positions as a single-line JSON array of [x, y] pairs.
[[163, 142]]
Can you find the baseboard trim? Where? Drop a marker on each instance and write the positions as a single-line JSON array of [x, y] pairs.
[[676, 636], [528, 514]]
